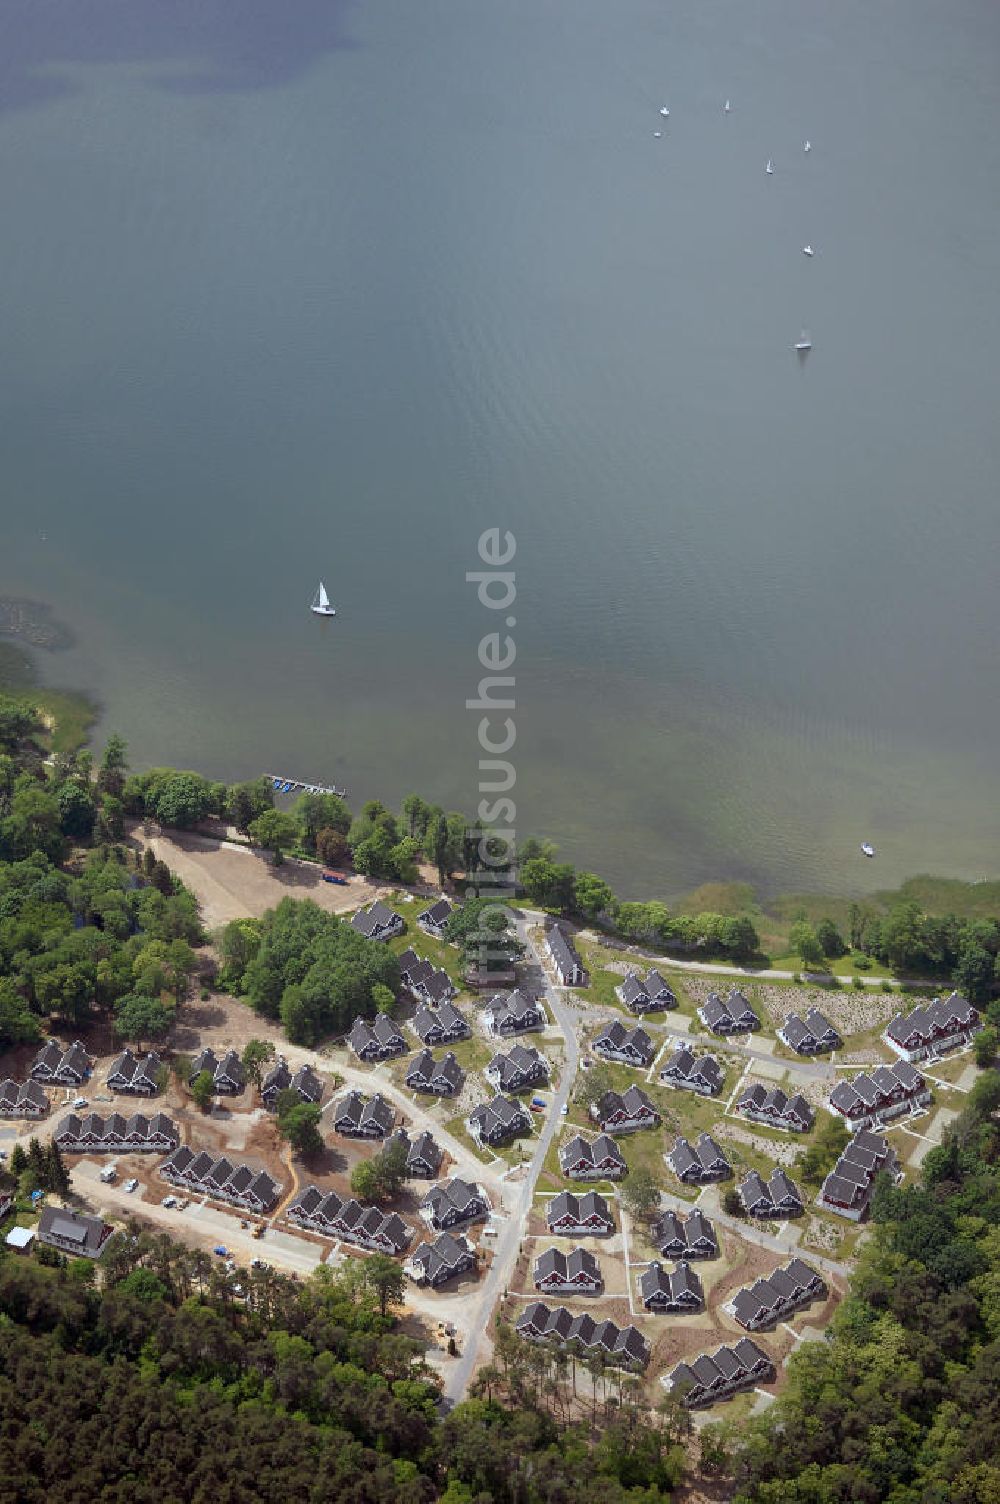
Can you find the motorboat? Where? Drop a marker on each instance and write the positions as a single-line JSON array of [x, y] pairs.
[[665, 112], [867, 848], [807, 250], [807, 146], [770, 167], [804, 343]]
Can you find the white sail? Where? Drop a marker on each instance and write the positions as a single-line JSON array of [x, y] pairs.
[[322, 599], [321, 602]]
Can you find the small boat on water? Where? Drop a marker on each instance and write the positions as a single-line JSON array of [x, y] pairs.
[[807, 146], [807, 250], [665, 112], [727, 108], [803, 343], [657, 135], [321, 603], [867, 848], [770, 167]]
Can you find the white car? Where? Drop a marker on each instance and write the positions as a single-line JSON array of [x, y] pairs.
[[565, 1109], [258, 1264], [169, 1201], [131, 1185], [80, 1102]]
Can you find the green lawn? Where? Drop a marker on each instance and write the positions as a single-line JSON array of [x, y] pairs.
[[456, 1127], [440, 954]]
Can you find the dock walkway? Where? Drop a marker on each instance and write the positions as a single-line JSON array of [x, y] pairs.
[[296, 786]]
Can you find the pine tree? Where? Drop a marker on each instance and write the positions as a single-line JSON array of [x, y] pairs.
[[58, 1175], [18, 1160], [36, 1161]]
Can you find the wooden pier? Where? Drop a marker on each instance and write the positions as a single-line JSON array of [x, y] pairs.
[[296, 786]]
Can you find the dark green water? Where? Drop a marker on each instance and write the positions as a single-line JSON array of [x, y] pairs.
[[325, 290]]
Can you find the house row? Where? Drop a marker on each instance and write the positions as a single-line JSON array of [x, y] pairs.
[[423, 1154], [671, 1292], [442, 1024], [698, 1163], [776, 1198], [877, 1096], [498, 1121], [116, 1134], [623, 1347], [624, 1112], [562, 952], [731, 1015], [434, 920], [454, 1203], [573, 1273], [378, 922], [73, 1232], [847, 1189], [812, 1035], [521, 1067], [364, 1226], [427, 982], [649, 996], [770, 1300], [376, 1039], [631, 1046], [22, 1100], [134, 1074], [690, 1237], [690, 1072], [222, 1179], [592, 1159], [513, 1013], [282, 1078], [228, 1076], [63, 1066], [438, 1078], [357, 1116], [933, 1028], [769, 1104], [585, 1216], [715, 1376], [435, 1263]]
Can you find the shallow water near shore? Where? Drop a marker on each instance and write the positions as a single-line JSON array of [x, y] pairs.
[[326, 298]]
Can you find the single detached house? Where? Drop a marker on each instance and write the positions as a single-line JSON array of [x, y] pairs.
[[877, 1096], [770, 1105], [434, 920], [624, 1112], [690, 1237], [585, 1216], [72, 1232], [592, 1159], [776, 1198], [631, 1046], [377, 923], [933, 1028], [444, 1259], [811, 1035], [521, 1067], [698, 1163], [847, 1189], [573, 1273], [568, 966], [378, 1040], [671, 1291], [690, 1072], [649, 996], [734, 1015]]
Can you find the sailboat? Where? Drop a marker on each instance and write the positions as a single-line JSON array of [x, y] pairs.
[[727, 108], [770, 167], [807, 146], [321, 602], [803, 343]]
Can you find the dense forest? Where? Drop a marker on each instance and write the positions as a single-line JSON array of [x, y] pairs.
[[902, 1402]]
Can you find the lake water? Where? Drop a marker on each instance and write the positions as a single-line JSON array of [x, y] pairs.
[[324, 289]]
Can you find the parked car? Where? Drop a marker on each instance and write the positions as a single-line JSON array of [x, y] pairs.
[[80, 1102], [221, 1250], [258, 1264], [334, 877], [169, 1201], [132, 1185]]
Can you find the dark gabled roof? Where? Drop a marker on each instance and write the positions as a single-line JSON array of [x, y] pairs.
[[231, 1066], [654, 1280], [32, 1093], [668, 1230], [632, 990], [48, 1057], [438, 913], [578, 1208], [307, 1083], [782, 1188], [697, 1226], [750, 1354], [439, 986], [425, 1148], [379, 916], [264, 1189], [561, 948], [350, 1105], [179, 1160], [753, 1191], [241, 1177], [714, 1011], [499, 1114], [205, 1060], [307, 1201], [460, 1195], [75, 1059], [86, 1233], [657, 987], [279, 1076]]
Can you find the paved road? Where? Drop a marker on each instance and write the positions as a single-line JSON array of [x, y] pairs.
[[816, 1070], [787, 1242], [505, 1256]]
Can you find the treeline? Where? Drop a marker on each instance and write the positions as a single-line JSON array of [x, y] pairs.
[[902, 1402], [175, 1381], [307, 968]]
